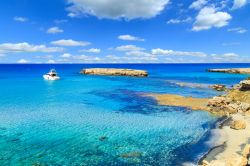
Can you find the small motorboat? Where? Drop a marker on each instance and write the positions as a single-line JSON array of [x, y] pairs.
[[51, 75]]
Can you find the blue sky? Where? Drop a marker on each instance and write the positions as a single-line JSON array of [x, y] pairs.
[[118, 31]]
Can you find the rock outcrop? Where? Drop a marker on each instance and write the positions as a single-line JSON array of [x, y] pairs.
[[244, 85], [233, 70], [115, 72], [238, 125], [218, 87]]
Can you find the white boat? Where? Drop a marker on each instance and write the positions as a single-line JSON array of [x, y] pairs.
[[51, 75]]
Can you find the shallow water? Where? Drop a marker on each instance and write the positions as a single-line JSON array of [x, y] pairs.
[[100, 120]]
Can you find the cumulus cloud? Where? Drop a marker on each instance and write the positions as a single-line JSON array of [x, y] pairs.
[[26, 47], [159, 51], [22, 61], [198, 4], [209, 17], [70, 43], [66, 55], [179, 21], [54, 30], [130, 38], [238, 30], [92, 50], [128, 48], [117, 9], [87, 58], [138, 53], [239, 4], [21, 19], [227, 57]]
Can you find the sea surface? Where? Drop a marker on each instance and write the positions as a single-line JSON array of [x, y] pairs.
[[104, 120]]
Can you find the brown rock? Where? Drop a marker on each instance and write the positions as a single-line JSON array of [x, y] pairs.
[[218, 87], [238, 125], [244, 85], [232, 108]]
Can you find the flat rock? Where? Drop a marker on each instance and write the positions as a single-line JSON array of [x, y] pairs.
[[115, 72], [233, 70]]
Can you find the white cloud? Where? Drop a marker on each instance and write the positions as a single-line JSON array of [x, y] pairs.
[[22, 61], [159, 51], [138, 53], [54, 30], [87, 58], [72, 15], [128, 48], [226, 57], [51, 61], [92, 50], [117, 9], [21, 19], [70, 43], [239, 4], [238, 30], [26, 47], [230, 55], [45, 57], [179, 21], [208, 17], [130, 38], [198, 4], [66, 55]]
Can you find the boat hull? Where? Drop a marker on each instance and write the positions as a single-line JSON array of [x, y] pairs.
[[47, 77]]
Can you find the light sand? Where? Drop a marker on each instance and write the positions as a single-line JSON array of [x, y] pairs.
[[235, 139]]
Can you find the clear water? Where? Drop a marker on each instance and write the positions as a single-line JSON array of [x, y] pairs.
[[102, 120]]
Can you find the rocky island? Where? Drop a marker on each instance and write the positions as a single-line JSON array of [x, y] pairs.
[[235, 136], [115, 72], [233, 70]]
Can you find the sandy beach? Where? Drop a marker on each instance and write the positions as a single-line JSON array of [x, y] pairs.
[[230, 142]]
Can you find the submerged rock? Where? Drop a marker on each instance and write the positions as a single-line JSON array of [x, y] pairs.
[[131, 155], [238, 125], [115, 72], [102, 138]]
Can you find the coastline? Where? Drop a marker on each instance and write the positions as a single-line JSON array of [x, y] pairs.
[[232, 142], [229, 145]]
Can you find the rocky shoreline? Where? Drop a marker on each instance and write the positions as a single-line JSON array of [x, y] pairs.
[[235, 104]]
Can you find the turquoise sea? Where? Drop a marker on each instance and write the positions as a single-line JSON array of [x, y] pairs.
[[104, 120]]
